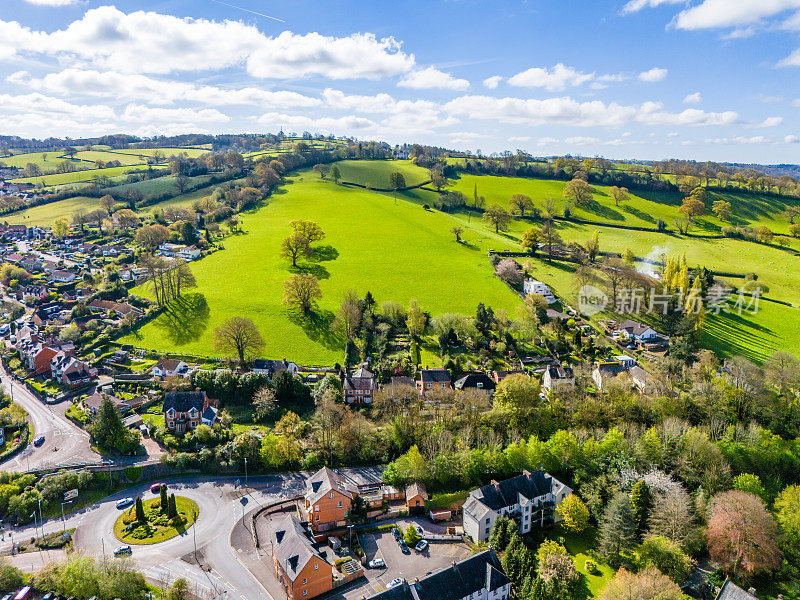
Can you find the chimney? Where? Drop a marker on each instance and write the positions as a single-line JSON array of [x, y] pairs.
[[495, 484], [488, 585]]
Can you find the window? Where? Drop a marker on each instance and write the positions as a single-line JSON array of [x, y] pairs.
[[340, 505], [305, 581], [487, 520], [316, 567], [330, 495], [305, 592], [316, 508], [317, 518]]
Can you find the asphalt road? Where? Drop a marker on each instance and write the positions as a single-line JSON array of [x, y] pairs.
[[64, 442]]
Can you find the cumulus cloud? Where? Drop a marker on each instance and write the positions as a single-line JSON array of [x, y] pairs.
[[695, 98], [653, 75], [739, 140], [546, 141], [637, 5], [711, 14], [348, 124], [39, 104], [146, 114], [556, 79], [791, 139], [51, 2], [771, 122], [433, 78], [492, 82]]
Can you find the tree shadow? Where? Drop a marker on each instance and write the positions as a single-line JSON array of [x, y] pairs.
[[604, 211], [324, 253], [317, 326], [184, 320], [308, 268], [638, 213]]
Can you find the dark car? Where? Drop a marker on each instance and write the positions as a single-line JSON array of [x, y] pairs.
[[38, 441], [404, 548], [396, 533]]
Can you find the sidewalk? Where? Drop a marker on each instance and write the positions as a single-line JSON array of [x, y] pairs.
[[31, 562]]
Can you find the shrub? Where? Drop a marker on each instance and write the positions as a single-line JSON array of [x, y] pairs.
[[591, 567]]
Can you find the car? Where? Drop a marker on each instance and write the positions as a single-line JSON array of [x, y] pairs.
[[156, 487], [131, 526], [38, 441], [122, 550], [394, 583], [421, 546], [397, 533], [48, 596], [419, 531], [124, 502], [404, 548], [377, 563]]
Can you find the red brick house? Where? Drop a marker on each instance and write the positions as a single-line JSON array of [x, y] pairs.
[[183, 411]]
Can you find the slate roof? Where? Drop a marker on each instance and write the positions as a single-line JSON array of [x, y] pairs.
[[476, 381], [435, 375], [402, 380], [168, 364], [731, 591], [610, 369], [291, 543], [360, 380], [416, 489], [273, 366], [560, 372], [324, 481], [183, 401], [633, 327], [507, 492], [453, 583], [210, 414]]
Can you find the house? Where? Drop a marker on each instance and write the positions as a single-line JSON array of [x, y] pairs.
[[73, 372], [360, 387], [731, 591], [644, 382], [39, 359], [170, 367], [36, 293], [605, 371], [433, 379], [105, 307], [179, 251], [416, 496], [625, 360], [93, 403], [183, 410], [209, 415], [299, 565], [498, 376], [476, 381], [402, 380], [637, 331], [327, 499], [273, 367], [530, 499], [478, 577], [532, 286], [557, 377], [59, 276]]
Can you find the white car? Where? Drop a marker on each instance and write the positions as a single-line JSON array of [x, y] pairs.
[[421, 546], [394, 583], [124, 503], [377, 563]]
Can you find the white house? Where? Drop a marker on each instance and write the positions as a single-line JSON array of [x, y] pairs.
[[530, 498], [637, 331], [532, 286], [169, 367], [179, 251], [644, 381], [557, 377]]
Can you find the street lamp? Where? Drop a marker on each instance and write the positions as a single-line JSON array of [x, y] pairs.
[[245, 472], [63, 520]]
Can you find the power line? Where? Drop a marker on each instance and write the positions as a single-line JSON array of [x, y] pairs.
[[248, 10]]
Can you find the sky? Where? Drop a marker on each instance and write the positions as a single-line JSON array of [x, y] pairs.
[[648, 79]]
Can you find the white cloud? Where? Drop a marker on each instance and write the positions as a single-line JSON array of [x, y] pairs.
[[695, 98], [637, 5], [731, 13], [39, 104], [567, 111], [791, 139], [582, 140], [771, 122], [739, 140], [51, 2], [653, 75], [348, 124], [556, 79], [492, 82], [433, 78], [520, 138], [546, 141], [146, 114]]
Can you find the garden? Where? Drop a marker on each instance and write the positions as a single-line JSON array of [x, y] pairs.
[[156, 520]]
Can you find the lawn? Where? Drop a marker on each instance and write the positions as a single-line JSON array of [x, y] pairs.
[[79, 176], [395, 251], [96, 155], [376, 173], [158, 528], [158, 186], [167, 152], [580, 547], [47, 159], [45, 214]]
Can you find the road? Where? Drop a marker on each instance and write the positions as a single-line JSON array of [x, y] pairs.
[[64, 442]]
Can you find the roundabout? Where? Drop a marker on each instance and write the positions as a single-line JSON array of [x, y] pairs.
[[155, 523]]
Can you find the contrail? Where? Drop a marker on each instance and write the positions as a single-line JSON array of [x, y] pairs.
[[250, 11]]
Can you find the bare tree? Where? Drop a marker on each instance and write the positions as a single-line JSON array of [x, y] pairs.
[[240, 336], [348, 317]]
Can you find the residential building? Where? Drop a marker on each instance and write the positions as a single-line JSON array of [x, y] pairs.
[[299, 566], [92, 404], [170, 367], [183, 410], [532, 286], [179, 251], [644, 382], [327, 499], [606, 371], [433, 379], [416, 496], [476, 381], [360, 387], [70, 371], [210, 415], [63, 277], [530, 499], [399, 380], [637, 331], [625, 360], [478, 577], [731, 591], [557, 377], [273, 367]]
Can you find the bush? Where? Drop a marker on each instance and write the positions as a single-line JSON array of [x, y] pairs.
[[591, 567]]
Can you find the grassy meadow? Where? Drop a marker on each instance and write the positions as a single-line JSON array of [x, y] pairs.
[[376, 173]]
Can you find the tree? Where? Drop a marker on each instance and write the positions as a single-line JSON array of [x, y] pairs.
[[164, 499], [649, 584], [293, 246], [593, 246], [240, 336], [152, 236], [308, 229], [107, 203], [742, 534], [335, 174], [11, 578], [665, 555], [520, 203], [579, 192], [264, 402], [457, 231], [530, 240], [751, 484], [415, 319], [617, 528], [109, 431], [620, 194], [438, 181], [783, 371], [179, 590], [497, 217], [301, 291], [641, 503], [397, 180], [182, 182], [61, 227], [348, 317], [722, 208], [172, 513], [126, 218], [140, 510], [321, 169], [693, 205], [574, 513], [787, 513], [502, 531], [550, 237], [411, 536]]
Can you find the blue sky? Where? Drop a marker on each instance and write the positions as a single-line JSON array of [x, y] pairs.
[[702, 79]]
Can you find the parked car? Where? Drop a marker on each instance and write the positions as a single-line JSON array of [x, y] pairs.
[[377, 563], [397, 533], [421, 546], [394, 583], [38, 441], [122, 550], [404, 548], [124, 503], [156, 487], [419, 531]]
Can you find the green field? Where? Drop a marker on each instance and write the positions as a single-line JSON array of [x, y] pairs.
[[396, 252], [53, 157], [376, 173], [95, 155], [167, 152], [45, 214], [79, 176]]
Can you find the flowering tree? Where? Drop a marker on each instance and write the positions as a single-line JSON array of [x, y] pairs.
[[508, 270]]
